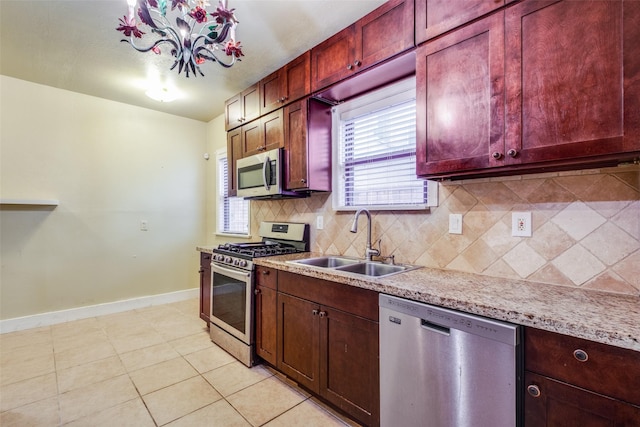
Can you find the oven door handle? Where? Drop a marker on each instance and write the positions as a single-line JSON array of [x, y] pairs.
[[235, 274]]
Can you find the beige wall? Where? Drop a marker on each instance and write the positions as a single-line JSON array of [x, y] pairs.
[[586, 228], [111, 166]]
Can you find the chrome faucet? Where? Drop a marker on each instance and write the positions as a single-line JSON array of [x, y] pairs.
[[369, 252]]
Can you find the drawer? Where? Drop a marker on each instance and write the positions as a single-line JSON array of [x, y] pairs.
[[350, 299], [602, 368], [267, 277]]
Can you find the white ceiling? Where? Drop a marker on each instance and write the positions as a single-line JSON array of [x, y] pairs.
[[73, 45]]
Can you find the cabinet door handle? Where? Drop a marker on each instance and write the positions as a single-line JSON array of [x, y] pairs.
[[533, 390], [323, 314], [580, 355], [512, 153], [497, 155], [256, 292], [304, 181], [314, 312], [349, 67], [357, 63], [265, 272]]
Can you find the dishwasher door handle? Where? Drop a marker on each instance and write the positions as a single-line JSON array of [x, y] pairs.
[[435, 327]]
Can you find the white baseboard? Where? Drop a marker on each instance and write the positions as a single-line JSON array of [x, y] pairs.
[[54, 317]]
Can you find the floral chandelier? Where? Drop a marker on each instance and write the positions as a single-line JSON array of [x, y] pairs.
[[190, 47]]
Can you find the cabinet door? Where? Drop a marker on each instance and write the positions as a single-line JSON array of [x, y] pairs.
[[250, 103], [273, 130], [297, 78], [571, 79], [386, 31], [252, 138], [233, 112], [460, 100], [333, 59], [205, 286], [295, 127], [234, 152], [349, 358], [435, 17], [298, 351], [560, 404], [272, 91], [266, 309], [266, 325]]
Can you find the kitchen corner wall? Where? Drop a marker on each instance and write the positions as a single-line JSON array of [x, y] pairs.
[[586, 228], [111, 166]]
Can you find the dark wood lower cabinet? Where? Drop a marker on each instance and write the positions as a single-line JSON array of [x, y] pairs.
[[265, 313], [571, 381], [205, 286], [332, 352], [564, 405]]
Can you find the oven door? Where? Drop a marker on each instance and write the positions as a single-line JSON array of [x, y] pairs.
[[231, 293]]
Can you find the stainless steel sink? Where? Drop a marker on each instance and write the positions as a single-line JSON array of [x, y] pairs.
[[373, 268], [353, 265], [327, 261]]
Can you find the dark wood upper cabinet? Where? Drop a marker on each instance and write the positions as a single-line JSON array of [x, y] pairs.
[[381, 34], [460, 99], [572, 90], [263, 134], [540, 86], [243, 107], [436, 17], [307, 134], [288, 84]]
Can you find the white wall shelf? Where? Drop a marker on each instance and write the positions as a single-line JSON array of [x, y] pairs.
[[29, 202]]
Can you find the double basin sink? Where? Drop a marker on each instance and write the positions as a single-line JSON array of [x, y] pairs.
[[353, 265]]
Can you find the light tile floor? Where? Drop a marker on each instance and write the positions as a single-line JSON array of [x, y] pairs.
[[150, 367]]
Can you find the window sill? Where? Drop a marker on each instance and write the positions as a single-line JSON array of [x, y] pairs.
[[237, 236]]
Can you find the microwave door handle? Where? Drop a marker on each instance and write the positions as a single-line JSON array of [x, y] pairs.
[[266, 167]]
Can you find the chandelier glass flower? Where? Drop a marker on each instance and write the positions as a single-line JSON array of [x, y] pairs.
[[214, 40]]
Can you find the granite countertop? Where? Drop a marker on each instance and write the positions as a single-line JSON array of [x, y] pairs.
[[598, 316]]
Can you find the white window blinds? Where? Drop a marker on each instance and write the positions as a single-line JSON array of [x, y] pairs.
[[233, 212], [376, 151]]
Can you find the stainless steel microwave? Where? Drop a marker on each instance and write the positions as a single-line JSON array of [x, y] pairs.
[[261, 176]]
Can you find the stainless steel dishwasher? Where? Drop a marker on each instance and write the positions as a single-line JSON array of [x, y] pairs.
[[444, 368]]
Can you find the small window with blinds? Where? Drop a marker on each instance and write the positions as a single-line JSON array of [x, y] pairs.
[[233, 212], [375, 151]]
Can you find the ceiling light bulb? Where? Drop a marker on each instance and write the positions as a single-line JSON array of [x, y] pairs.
[[161, 94]]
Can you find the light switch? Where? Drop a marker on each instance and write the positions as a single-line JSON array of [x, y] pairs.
[[455, 223]]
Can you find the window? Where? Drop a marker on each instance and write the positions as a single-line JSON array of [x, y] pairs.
[[233, 212], [375, 151]]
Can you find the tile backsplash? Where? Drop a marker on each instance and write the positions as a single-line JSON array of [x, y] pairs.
[[586, 228]]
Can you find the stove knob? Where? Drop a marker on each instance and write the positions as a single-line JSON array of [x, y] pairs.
[[236, 262], [220, 257], [242, 263], [228, 260]]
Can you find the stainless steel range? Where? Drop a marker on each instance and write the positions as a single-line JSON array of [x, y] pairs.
[[232, 284]]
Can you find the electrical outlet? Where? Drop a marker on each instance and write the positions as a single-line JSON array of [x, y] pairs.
[[521, 224], [319, 222], [144, 225], [455, 223]]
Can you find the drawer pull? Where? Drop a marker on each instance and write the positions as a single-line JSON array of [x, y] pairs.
[[533, 390], [580, 355]]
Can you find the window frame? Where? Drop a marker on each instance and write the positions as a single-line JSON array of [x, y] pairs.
[[221, 155], [389, 95]]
